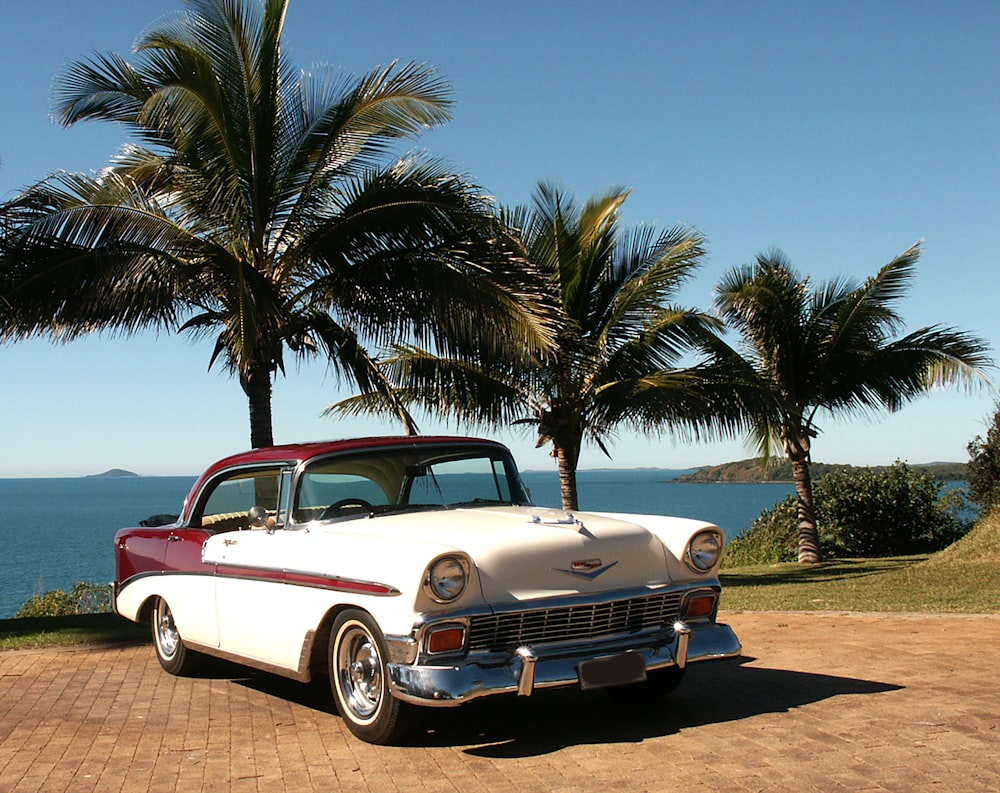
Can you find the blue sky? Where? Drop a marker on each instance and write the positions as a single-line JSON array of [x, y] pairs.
[[838, 132]]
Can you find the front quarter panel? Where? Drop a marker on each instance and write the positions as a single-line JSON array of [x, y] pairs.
[[675, 534]]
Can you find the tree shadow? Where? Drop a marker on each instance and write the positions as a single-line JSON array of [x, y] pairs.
[[508, 726], [835, 570]]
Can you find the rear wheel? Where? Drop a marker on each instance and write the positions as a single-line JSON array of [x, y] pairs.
[[171, 652], [359, 678]]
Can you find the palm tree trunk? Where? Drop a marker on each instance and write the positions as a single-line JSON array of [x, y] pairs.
[[567, 478], [808, 533], [258, 390]]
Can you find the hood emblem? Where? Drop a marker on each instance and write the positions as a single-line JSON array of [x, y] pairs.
[[586, 568]]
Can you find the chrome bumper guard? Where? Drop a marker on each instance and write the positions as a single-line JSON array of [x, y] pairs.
[[527, 671]]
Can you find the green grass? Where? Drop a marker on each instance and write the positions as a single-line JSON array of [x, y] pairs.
[[901, 584], [963, 578], [80, 629]]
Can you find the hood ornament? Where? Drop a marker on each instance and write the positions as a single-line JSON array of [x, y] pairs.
[[569, 520]]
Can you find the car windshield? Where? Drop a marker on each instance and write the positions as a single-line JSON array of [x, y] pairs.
[[395, 480]]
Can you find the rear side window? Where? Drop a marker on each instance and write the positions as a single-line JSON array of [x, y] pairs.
[[232, 497]]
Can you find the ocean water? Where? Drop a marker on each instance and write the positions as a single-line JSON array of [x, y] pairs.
[[55, 532]]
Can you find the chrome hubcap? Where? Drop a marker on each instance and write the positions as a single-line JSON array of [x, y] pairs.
[[166, 632], [360, 670]]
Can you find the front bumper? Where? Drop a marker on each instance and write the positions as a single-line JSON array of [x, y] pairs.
[[526, 670]]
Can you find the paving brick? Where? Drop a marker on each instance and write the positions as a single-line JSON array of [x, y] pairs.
[[821, 702]]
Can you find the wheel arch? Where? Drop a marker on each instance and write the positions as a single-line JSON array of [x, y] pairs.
[[318, 666], [145, 612]]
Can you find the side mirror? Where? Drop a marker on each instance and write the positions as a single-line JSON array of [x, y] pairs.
[[259, 519]]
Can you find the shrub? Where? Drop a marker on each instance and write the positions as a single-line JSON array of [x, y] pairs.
[[773, 537], [893, 512], [83, 598], [984, 465], [863, 512]]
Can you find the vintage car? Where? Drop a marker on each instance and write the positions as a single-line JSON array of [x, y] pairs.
[[415, 571]]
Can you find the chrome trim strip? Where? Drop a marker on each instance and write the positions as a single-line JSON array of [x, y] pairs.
[[390, 591], [322, 580], [303, 676]]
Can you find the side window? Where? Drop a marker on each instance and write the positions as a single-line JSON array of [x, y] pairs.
[[231, 498]]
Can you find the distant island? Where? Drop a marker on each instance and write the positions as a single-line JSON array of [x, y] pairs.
[[112, 474], [752, 472]]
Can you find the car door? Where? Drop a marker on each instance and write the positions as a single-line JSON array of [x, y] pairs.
[[249, 564]]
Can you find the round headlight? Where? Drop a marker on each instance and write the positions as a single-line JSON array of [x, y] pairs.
[[703, 551], [446, 579]]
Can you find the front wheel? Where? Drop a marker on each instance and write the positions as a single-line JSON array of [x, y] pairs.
[[171, 652], [360, 680]]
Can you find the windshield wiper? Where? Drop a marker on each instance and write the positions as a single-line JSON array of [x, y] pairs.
[[397, 509], [479, 502]]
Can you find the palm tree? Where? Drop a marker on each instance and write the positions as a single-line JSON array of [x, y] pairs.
[[254, 205], [831, 348], [617, 345]]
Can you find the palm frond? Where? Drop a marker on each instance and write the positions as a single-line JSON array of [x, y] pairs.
[[644, 275], [831, 347], [906, 368], [348, 357], [453, 389], [865, 314], [691, 403], [411, 249], [74, 267], [105, 87]]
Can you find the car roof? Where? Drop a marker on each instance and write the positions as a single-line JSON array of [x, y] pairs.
[[296, 453], [300, 452]]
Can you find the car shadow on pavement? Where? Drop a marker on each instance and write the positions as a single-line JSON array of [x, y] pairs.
[[508, 726], [709, 694]]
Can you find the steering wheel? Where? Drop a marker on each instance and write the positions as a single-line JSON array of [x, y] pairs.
[[353, 504]]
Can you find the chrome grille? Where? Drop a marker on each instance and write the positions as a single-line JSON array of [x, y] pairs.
[[507, 631]]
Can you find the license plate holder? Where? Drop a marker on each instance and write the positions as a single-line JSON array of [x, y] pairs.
[[612, 670]]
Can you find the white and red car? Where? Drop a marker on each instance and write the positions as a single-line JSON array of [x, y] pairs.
[[415, 571]]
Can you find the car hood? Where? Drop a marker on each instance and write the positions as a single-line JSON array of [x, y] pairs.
[[524, 553]]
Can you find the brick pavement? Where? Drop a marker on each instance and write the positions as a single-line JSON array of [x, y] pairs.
[[829, 702]]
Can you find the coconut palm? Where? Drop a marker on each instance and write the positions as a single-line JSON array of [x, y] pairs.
[[618, 341], [831, 348], [254, 204]]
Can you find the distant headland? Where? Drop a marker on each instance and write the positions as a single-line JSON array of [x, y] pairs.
[[780, 470], [112, 474]]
